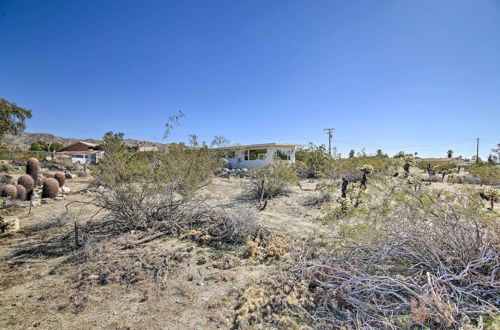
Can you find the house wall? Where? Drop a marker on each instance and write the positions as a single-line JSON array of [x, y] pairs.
[[240, 162]]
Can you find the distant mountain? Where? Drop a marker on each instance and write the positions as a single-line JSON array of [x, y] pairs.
[[24, 140]]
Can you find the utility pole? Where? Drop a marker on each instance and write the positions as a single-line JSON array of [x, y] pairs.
[[477, 151], [330, 134]]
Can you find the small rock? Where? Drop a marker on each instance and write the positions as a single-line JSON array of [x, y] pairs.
[[46, 200], [65, 189], [199, 283], [69, 175], [59, 198]]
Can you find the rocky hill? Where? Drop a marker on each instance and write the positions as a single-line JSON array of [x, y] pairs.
[[24, 140]]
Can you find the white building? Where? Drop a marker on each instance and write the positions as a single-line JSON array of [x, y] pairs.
[[82, 152], [259, 155]]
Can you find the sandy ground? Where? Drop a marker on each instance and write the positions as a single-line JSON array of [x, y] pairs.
[[41, 289], [44, 288]]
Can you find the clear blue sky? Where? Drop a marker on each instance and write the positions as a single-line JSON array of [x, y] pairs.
[[397, 75]]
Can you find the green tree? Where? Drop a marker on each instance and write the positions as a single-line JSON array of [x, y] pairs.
[[450, 153], [12, 117], [46, 146]]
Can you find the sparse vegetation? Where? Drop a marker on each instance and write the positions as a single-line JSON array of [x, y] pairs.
[[273, 180]]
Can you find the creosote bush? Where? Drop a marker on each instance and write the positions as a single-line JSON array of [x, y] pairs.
[[50, 188], [156, 190], [33, 169], [314, 162], [61, 178], [9, 190], [273, 180]]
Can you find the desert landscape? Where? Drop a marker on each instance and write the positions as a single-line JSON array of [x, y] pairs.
[[279, 247]]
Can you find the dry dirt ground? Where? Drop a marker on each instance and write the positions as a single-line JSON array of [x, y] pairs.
[[43, 286], [167, 283]]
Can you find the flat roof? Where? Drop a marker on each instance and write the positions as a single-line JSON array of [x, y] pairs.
[[262, 145]]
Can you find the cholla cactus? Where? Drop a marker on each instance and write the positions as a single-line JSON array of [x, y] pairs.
[[408, 161], [33, 169], [50, 188], [345, 203], [492, 194], [366, 169], [21, 192], [61, 178], [9, 190]]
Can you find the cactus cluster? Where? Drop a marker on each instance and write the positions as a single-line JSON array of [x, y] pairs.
[[9, 190], [345, 203], [28, 183], [33, 169], [50, 188], [61, 178]]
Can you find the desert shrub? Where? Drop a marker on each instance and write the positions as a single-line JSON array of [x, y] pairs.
[[274, 300], [61, 178], [430, 260], [349, 168], [265, 246], [9, 190], [273, 180], [33, 169], [155, 190], [6, 179], [6, 168], [313, 162], [486, 174], [21, 192], [50, 188], [224, 226], [325, 191]]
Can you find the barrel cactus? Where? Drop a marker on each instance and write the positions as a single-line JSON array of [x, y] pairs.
[[50, 188], [33, 169], [9, 190], [21, 192], [61, 178], [28, 183]]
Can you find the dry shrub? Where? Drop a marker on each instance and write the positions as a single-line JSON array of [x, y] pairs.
[[433, 262], [277, 300], [265, 246], [223, 226], [153, 191], [273, 180]]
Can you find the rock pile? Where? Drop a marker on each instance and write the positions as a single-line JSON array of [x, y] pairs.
[[242, 173]]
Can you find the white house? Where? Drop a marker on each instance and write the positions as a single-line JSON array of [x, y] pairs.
[[82, 152], [259, 155]]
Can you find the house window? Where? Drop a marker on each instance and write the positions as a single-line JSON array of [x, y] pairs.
[[256, 154], [231, 154], [283, 154]]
